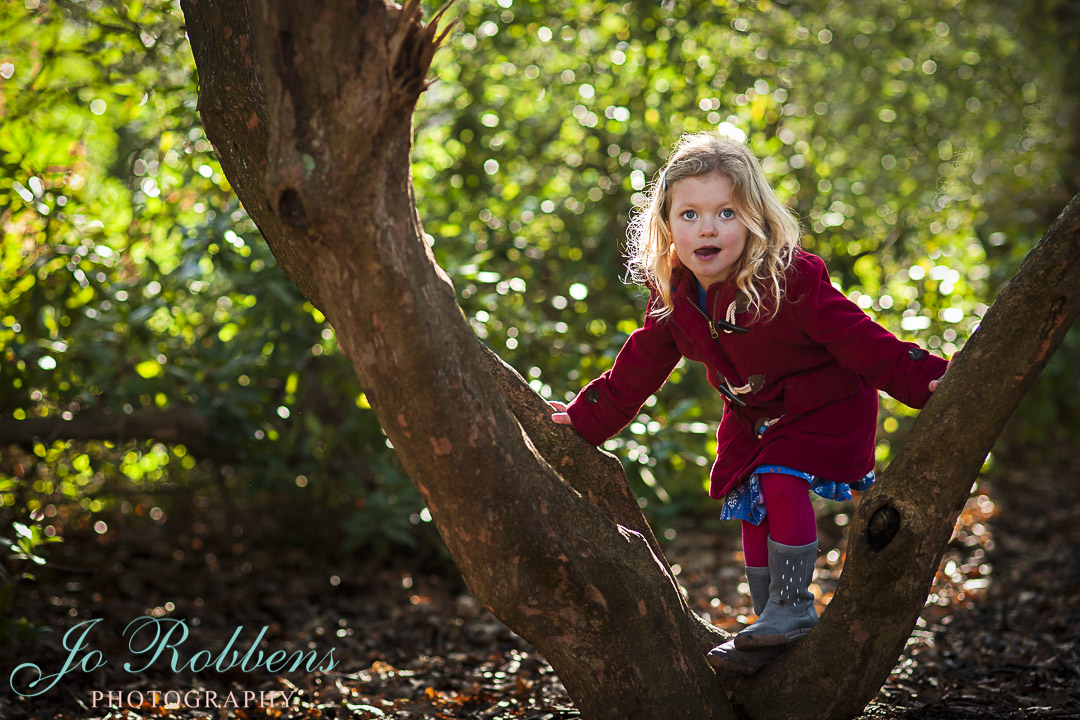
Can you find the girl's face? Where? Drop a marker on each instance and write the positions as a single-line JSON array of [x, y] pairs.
[[708, 237]]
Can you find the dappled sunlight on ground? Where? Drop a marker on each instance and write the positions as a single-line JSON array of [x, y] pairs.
[[997, 639]]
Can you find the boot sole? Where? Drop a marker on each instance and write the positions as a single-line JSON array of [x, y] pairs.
[[725, 665], [752, 643]]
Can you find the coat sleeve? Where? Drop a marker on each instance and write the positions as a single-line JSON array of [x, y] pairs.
[[608, 404], [902, 369]]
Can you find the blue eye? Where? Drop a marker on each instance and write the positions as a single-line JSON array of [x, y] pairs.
[[727, 214], [689, 214]]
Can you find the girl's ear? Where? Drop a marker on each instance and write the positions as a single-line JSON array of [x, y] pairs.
[[675, 262]]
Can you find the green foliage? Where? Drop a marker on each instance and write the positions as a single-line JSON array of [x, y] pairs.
[[28, 539], [132, 280], [920, 143], [924, 145], [387, 520], [25, 545]]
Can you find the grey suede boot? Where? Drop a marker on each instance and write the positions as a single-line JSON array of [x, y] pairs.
[[725, 656], [789, 614]]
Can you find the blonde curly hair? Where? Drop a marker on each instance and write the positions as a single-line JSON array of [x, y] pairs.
[[773, 230]]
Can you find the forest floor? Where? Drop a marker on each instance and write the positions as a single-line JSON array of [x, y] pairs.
[[999, 637]]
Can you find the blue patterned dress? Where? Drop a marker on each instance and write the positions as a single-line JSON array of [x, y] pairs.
[[747, 503]]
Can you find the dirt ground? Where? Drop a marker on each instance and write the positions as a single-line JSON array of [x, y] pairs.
[[998, 638]]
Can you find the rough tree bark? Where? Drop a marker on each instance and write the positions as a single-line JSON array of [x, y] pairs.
[[310, 112], [330, 189]]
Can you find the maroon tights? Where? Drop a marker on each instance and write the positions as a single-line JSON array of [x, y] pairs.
[[789, 518]]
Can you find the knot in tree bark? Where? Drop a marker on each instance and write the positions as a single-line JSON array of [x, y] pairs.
[[290, 208], [882, 528]]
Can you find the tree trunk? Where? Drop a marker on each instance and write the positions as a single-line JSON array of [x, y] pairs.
[[332, 192], [310, 112]]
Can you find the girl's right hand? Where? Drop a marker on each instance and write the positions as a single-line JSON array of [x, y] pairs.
[[560, 417]]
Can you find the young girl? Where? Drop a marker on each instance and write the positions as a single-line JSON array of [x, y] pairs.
[[796, 361]]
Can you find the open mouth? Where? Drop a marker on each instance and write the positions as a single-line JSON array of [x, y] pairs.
[[707, 253]]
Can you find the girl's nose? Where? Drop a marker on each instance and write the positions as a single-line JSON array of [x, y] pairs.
[[708, 227]]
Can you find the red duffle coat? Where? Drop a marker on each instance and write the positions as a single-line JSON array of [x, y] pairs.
[[812, 369]]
